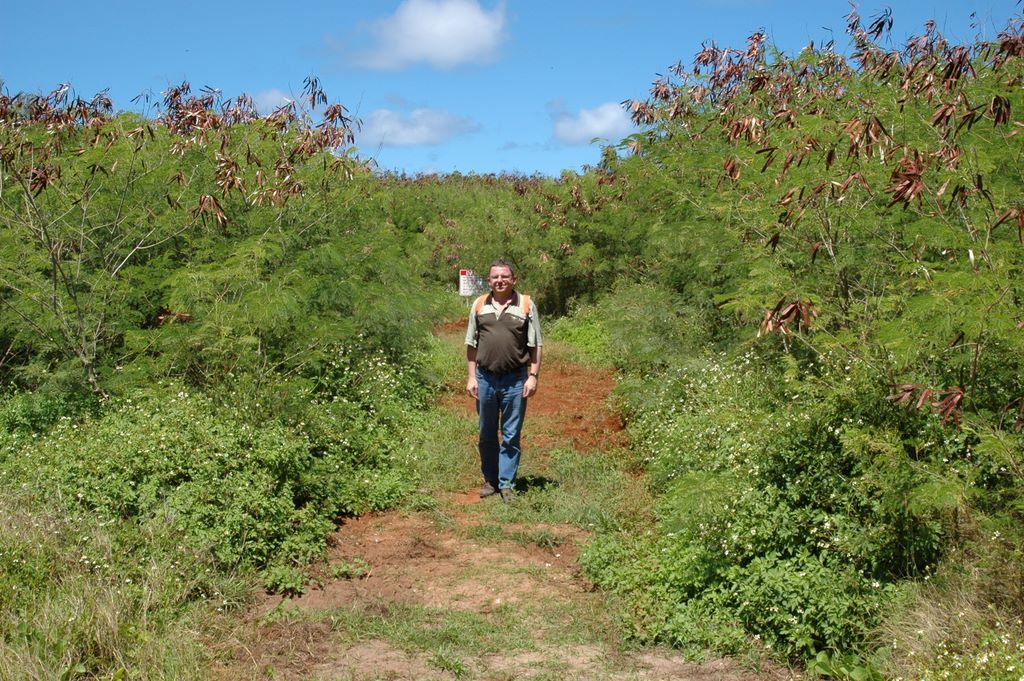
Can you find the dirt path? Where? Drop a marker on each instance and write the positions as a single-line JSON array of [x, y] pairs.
[[464, 587]]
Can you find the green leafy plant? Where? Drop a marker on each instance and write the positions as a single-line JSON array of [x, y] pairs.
[[357, 568]]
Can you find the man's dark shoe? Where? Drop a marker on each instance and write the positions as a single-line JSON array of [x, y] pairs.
[[488, 489], [508, 495]]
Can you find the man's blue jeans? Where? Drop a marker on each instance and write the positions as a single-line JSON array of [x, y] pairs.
[[500, 402]]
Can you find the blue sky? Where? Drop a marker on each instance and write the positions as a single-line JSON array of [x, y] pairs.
[[440, 85]]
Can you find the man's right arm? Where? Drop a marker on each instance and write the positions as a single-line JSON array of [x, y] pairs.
[[471, 385]]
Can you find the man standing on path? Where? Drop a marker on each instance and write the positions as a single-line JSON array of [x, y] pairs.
[[503, 349]]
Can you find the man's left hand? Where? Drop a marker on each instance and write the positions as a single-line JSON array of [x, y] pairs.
[[530, 387]]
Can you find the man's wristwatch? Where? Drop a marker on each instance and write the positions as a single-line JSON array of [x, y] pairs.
[[534, 375]]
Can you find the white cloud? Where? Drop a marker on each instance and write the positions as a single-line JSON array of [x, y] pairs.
[[268, 100], [442, 33], [608, 120], [384, 127]]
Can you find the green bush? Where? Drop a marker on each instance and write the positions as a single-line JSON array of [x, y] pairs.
[[36, 411], [226, 487], [799, 605], [253, 484], [586, 335], [788, 507], [140, 518]]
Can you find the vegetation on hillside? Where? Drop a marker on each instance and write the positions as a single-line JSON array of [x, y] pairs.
[[833, 418], [215, 341], [201, 376]]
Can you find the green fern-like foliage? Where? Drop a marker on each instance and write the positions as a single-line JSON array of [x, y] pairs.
[[854, 222]]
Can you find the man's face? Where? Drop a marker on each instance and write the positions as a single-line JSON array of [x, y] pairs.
[[501, 279]]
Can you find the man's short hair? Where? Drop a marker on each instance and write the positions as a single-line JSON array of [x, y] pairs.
[[501, 262]]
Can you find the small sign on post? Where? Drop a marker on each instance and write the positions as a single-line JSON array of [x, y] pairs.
[[471, 284]]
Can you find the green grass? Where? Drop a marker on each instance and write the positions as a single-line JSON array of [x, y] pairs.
[[450, 639], [456, 641], [581, 338], [965, 622], [588, 490], [490, 533], [442, 454], [83, 599]]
